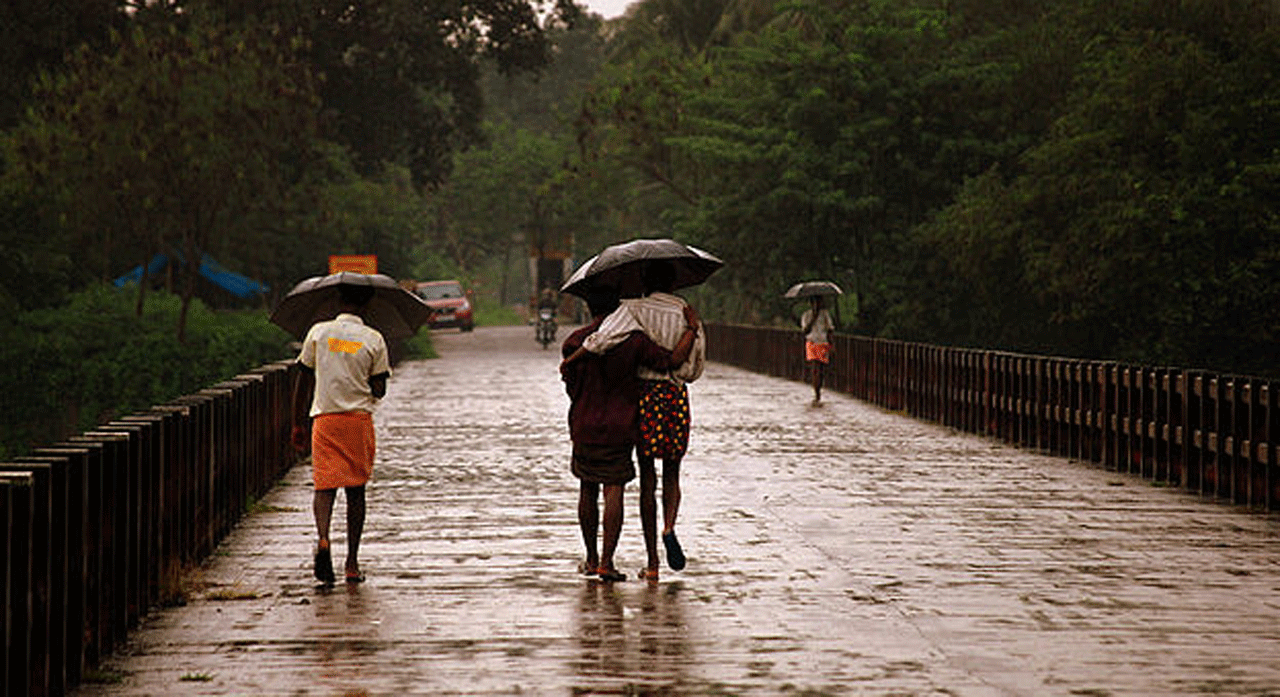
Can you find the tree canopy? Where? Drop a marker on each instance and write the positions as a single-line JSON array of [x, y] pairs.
[[1091, 179], [1088, 178]]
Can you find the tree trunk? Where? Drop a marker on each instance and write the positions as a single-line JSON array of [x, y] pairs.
[[190, 271], [142, 286]]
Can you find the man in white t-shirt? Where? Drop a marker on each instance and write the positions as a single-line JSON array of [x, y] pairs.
[[344, 371]]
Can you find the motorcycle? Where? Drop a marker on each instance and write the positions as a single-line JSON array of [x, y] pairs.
[[546, 329]]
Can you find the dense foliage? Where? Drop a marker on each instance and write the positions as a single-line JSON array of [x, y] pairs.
[[1095, 179], [267, 135], [94, 359]]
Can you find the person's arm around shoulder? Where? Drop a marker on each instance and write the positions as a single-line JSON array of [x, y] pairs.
[[655, 357], [615, 329], [692, 330]]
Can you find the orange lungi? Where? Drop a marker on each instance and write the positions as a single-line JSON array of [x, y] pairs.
[[817, 352], [342, 448]]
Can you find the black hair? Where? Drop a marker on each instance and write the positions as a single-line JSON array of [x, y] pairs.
[[602, 302], [659, 276], [358, 296]]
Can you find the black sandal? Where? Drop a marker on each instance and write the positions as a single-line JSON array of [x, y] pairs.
[[675, 555], [324, 567]]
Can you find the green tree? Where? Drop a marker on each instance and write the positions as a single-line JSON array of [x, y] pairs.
[[36, 34], [1137, 227], [174, 141], [401, 79]]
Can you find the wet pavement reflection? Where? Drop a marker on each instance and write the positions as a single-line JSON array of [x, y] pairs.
[[832, 551]]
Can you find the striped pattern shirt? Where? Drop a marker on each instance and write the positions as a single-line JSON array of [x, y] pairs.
[[661, 317]]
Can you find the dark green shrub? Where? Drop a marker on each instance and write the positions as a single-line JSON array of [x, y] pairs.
[[93, 359]]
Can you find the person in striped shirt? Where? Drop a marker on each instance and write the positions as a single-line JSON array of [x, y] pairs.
[[664, 407]]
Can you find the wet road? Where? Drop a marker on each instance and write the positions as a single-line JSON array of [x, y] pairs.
[[839, 550]]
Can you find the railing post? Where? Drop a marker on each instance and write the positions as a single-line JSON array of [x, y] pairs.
[[46, 575], [73, 466], [16, 504], [113, 519], [1211, 446], [1177, 420], [1164, 429], [1271, 433], [1241, 440]]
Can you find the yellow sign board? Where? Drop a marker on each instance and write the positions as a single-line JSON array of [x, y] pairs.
[[359, 263]]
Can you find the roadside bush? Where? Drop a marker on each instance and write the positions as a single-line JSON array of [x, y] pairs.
[[93, 359]]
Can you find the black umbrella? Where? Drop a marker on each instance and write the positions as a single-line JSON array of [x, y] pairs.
[[807, 289], [393, 311], [620, 267]]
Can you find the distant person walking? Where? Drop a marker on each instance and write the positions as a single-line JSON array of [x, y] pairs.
[[344, 373], [605, 393], [664, 408], [816, 325]]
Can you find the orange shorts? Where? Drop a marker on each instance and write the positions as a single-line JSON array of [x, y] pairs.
[[342, 448], [817, 352]]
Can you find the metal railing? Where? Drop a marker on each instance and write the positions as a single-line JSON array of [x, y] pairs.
[[98, 529], [1209, 433]]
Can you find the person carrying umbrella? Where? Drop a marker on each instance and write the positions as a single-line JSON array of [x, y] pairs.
[[817, 325], [664, 408], [604, 393], [344, 373]]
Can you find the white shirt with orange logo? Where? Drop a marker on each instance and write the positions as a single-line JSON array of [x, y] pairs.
[[344, 353]]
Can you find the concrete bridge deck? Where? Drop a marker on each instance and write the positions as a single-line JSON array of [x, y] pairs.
[[839, 550]]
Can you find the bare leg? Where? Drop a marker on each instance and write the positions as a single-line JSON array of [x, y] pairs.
[[670, 509], [670, 493], [589, 521], [649, 509], [612, 524], [355, 528], [322, 506]]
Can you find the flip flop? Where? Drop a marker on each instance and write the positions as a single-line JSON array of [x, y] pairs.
[[612, 575], [650, 575], [324, 566], [675, 555], [357, 578], [587, 569]]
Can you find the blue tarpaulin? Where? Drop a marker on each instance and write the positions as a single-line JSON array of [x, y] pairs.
[[234, 283]]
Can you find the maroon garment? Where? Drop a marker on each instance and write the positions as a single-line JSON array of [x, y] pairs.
[[604, 391]]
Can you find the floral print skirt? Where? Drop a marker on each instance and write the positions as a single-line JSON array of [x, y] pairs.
[[664, 420]]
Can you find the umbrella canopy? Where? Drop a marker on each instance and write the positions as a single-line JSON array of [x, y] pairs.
[[393, 311], [806, 289], [620, 267]]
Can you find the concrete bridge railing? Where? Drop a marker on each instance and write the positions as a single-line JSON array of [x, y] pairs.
[[1213, 434]]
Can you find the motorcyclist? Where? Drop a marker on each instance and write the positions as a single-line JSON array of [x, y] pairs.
[[547, 298], [547, 302]]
